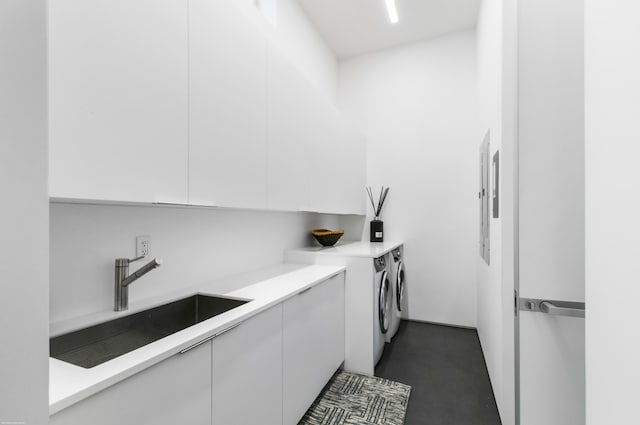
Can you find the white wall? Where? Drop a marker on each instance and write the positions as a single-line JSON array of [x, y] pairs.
[[612, 99], [417, 106], [497, 97], [197, 245], [296, 35], [490, 34], [24, 332]]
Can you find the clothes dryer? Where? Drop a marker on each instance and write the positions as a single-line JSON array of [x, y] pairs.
[[383, 305], [397, 290]]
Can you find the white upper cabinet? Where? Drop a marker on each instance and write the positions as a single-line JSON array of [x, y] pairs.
[[118, 100], [227, 107], [190, 102], [323, 168], [351, 164], [338, 163], [316, 161], [290, 115]]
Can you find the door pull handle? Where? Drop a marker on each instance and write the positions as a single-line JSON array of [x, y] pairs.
[[305, 290], [550, 308], [209, 338], [197, 344]]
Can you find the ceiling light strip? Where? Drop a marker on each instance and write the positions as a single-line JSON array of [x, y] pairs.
[[393, 12]]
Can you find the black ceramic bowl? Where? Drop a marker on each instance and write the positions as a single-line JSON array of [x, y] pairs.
[[327, 237]]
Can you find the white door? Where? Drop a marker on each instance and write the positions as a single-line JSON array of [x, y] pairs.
[[550, 376], [612, 90]]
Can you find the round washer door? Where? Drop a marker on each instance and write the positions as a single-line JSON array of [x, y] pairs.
[[384, 302], [400, 285]]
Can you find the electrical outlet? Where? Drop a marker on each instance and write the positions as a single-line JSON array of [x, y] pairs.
[[143, 246]]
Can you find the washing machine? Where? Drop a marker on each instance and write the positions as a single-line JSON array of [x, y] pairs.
[[397, 291], [382, 306]]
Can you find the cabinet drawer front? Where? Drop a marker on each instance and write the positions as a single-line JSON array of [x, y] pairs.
[[313, 344]]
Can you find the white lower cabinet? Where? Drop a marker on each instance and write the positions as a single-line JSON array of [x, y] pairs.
[[313, 344], [175, 391], [267, 370], [247, 372]]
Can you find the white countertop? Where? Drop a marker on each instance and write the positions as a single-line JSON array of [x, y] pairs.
[[69, 384], [353, 249]]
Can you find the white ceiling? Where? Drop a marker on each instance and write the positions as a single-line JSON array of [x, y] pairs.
[[353, 27]]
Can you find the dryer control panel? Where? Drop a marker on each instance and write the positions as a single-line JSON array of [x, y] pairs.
[[397, 255], [379, 264]]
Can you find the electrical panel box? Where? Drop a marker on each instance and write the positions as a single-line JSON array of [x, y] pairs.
[[484, 196]]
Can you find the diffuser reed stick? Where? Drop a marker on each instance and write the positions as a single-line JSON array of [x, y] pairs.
[[377, 209]]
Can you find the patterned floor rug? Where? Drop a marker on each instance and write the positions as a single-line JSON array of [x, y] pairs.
[[350, 399]]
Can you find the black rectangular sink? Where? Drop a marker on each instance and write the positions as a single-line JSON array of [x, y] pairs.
[[97, 344]]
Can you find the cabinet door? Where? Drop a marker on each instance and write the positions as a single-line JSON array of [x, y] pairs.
[[175, 391], [337, 163], [324, 177], [351, 169], [247, 372], [313, 344], [290, 117], [118, 100], [227, 106]]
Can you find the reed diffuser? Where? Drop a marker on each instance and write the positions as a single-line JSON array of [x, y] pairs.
[[376, 226]]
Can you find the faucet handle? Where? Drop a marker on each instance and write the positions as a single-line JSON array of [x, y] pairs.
[[124, 262]]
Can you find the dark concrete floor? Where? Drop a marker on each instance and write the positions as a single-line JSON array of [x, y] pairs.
[[446, 370]]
